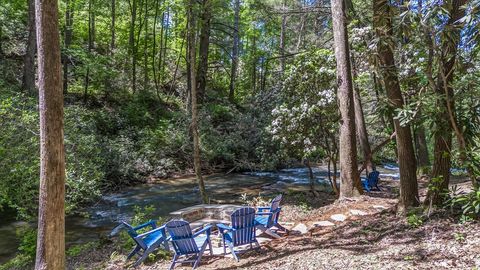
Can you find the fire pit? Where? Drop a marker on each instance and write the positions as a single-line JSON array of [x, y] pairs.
[[202, 214]]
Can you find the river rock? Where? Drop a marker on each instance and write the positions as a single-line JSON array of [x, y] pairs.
[[323, 223], [302, 228], [339, 217], [380, 207]]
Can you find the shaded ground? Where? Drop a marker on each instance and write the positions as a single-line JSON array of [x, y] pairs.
[[378, 240]]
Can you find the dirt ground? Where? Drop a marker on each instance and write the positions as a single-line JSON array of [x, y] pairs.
[[372, 236]]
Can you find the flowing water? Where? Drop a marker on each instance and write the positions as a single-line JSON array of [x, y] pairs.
[[166, 196]]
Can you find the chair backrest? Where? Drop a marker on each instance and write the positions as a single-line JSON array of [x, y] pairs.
[[182, 237], [275, 209], [373, 178], [243, 221]]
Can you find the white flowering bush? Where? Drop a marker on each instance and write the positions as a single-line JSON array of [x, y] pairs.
[[305, 121]]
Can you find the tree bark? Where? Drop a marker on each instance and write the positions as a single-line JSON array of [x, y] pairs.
[[205, 19], [194, 124], [443, 88], [51, 214], [362, 134], [423, 160], [236, 42], [29, 59], [350, 180], [68, 35], [145, 49], [406, 155]]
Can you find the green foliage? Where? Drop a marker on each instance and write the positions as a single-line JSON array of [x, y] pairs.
[[415, 218], [28, 244], [468, 204], [76, 250]]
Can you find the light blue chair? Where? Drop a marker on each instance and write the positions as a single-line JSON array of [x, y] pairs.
[[241, 232], [187, 244], [267, 217], [146, 242]]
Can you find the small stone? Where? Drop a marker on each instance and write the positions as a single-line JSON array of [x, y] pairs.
[[302, 228], [358, 212], [380, 207], [339, 217], [323, 223]]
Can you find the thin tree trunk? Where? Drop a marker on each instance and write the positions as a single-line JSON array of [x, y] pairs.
[[91, 42], [29, 59], [194, 125], [154, 48], [283, 29], [51, 214], [236, 42], [349, 177], [112, 27], [406, 154], [311, 177], [254, 66], [445, 118], [165, 43], [145, 49], [131, 42], [68, 32], [203, 51]]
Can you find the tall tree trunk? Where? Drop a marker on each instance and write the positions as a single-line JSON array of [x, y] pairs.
[[362, 134], [91, 42], [205, 18], [29, 59], [421, 146], [165, 43], [145, 49], [194, 125], [445, 107], [51, 214], [283, 30], [406, 154], [112, 27], [154, 47], [350, 180], [236, 42], [68, 32]]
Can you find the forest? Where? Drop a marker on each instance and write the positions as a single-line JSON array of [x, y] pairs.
[[363, 115]]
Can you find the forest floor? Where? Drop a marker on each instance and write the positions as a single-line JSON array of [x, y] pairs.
[[371, 236]]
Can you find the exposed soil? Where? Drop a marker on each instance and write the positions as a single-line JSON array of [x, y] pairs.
[[377, 239]]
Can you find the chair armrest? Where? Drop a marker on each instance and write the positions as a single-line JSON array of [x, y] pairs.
[[263, 213], [206, 229], [151, 223], [222, 227], [263, 208], [162, 229]]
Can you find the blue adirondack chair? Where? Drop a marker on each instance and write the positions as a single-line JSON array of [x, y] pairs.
[[267, 217], [187, 244], [146, 242], [371, 181], [242, 231]]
